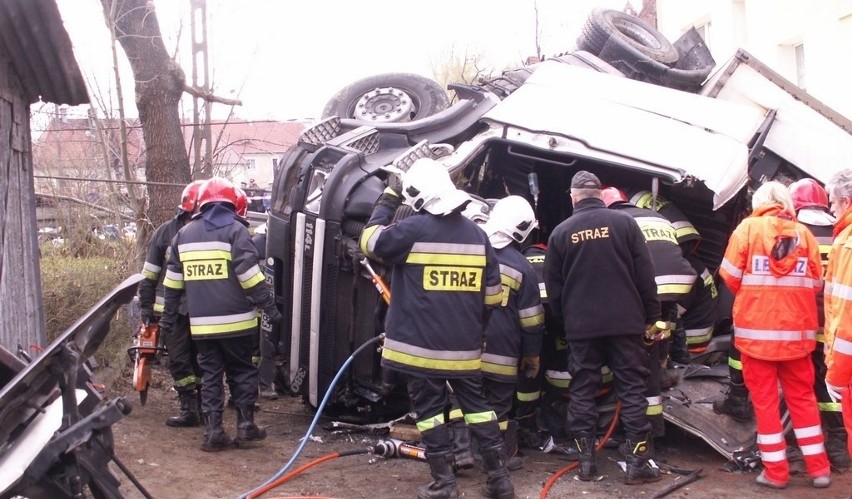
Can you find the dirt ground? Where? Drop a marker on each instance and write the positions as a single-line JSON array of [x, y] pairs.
[[169, 463]]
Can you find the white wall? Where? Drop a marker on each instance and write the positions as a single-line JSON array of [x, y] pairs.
[[770, 29]]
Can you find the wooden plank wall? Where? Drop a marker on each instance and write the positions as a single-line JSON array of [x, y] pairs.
[[21, 318]]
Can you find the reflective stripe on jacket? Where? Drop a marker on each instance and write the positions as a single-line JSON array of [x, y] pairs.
[[515, 328], [445, 274], [838, 305], [154, 269], [775, 315], [684, 230]]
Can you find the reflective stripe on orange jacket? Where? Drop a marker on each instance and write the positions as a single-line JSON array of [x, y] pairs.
[[775, 313], [838, 305]]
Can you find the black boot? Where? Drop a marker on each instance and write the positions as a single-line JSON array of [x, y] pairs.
[[443, 485], [514, 459], [215, 438], [247, 431], [636, 451], [835, 447], [462, 455], [587, 470], [497, 485], [188, 415], [735, 404]]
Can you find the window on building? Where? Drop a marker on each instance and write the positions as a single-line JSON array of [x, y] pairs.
[[799, 50], [251, 164], [704, 32]]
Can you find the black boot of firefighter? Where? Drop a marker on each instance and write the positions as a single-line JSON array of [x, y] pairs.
[[514, 458], [735, 404], [188, 415], [462, 455], [443, 485], [247, 431], [835, 447], [497, 485], [587, 470], [636, 451], [215, 438]]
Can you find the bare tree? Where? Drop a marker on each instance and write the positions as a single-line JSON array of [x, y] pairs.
[[464, 66]]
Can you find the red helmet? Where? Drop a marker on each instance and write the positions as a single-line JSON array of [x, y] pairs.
[[217, 190], [612, 195], [808, 193], [189, 197], [242, 203]]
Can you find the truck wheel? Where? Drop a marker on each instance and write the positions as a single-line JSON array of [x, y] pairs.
[[610, 34], [388, 98]]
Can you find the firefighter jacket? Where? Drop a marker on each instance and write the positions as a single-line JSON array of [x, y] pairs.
[[684, 230], [699, 311], [772, 266], [599, 274], [515, 328], [214, 262], [445, 273], [821, 225], [672, 272], [838, 305], [535, 256], [154, 269]]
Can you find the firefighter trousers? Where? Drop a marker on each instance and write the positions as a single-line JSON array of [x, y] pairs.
[[430, 398], [796, 378], [183, 362], [628, 360], [829, 411], [500, 396], [231, 356]]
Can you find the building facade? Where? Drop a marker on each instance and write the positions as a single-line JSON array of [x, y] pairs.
[[804, 41]]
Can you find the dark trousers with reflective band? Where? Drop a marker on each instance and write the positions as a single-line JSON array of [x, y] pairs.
[[500, 397], [735, 363], [528, 396], [628, 359], [231, 357], [183, 362], [430, 399], [653, 391]]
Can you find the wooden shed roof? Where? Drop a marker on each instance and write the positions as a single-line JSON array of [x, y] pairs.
[[33, 36]]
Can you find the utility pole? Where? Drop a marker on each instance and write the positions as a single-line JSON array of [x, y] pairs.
[[202, 165]]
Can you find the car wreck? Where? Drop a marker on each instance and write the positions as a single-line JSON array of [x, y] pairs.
[[628, 106]]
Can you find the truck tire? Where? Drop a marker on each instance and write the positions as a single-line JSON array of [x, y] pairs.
[[616, 34], [388, 98]]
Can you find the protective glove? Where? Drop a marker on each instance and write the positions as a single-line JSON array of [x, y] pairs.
[[835, 392], [273, 315], [147, 315], [390, 198], [530, 365], [395, 183]]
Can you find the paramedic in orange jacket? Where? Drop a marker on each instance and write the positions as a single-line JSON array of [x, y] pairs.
[[772, 265], [838, 298]]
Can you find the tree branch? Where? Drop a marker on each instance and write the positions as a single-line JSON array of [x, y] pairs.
[[209, 97]]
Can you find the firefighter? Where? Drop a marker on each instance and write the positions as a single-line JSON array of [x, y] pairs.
[[838, 303], [513, 337], [445, 275], [214, 263], [772, 266], [811, 203], [183, 365], [675, 278], [600, 282]]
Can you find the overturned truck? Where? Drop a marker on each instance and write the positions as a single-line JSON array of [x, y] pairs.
[[639, 112]]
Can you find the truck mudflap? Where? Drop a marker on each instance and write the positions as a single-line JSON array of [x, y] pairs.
[[689, 405]]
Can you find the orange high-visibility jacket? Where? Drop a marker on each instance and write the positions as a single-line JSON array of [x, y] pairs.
[[775, 312], [838, 305]]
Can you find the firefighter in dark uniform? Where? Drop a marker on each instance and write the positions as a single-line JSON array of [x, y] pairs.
[[600, 281], [811, 203], [214, 263], [445, 275], [183, 365], [513, 337]]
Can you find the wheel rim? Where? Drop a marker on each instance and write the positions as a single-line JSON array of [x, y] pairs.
[[385, 105]]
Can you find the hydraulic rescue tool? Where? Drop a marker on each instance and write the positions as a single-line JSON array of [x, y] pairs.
[[145, 351], [380, 284], [658, 331]]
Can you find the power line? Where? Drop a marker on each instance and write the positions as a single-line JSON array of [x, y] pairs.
[[84, 179]]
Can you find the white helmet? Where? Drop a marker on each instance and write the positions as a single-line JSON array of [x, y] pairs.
[[512, 219], [477, 211], [427, 186]]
